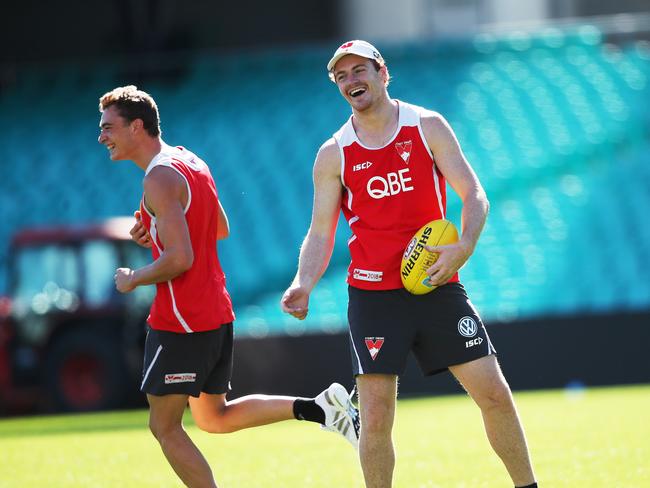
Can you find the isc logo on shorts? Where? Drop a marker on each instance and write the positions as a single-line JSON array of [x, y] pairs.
[[180, 378], [467, 327]]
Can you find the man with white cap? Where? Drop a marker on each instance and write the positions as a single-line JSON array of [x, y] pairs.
[[386, 170]]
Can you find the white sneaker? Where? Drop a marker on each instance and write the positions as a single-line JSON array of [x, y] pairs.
[[340, 414]]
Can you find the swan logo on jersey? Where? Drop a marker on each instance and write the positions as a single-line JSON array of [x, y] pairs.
[[379, 187], [374, 345], [404, 150]]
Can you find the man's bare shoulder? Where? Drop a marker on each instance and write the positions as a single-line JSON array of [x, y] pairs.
[[161, 175], [328, 159], [163, 180], [436, 128], [430, 119]]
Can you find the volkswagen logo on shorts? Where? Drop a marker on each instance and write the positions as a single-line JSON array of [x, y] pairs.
[[467, 327]]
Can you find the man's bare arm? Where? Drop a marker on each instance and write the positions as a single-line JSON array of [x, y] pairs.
[[164, 191], [316, 249], [451, 161]]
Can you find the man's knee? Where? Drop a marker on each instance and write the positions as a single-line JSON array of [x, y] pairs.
[[154, 428], [161, 429], [377, 403], [166, 415], [376, 419], [213, 425], [214, 422], [498, 396]]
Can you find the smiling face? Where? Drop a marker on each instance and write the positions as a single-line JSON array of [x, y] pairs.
[[359, 81], [117, 134]]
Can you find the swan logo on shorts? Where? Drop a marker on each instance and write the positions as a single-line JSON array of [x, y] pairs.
[[467, 327], [374, 345]]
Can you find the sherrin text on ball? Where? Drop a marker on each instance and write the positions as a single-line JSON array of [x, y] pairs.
[[417, 259]]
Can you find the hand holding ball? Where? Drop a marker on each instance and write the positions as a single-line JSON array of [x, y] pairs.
[[417, 259]]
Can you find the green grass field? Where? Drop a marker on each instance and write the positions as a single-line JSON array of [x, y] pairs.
[[595, 438]]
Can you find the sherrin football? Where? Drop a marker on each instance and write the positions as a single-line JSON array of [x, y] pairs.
[[417, 259]]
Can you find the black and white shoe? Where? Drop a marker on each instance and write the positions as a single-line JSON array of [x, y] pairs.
[[340, 413]]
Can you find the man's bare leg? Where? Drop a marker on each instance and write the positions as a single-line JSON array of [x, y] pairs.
[[485, 383], [166, 424], [212, 413], [377, 396]]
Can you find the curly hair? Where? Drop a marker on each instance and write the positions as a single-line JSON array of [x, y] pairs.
[[132, 104]]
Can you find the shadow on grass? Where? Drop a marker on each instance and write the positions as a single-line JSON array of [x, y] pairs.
[[79, 422]]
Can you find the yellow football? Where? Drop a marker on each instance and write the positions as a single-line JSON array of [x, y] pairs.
[[416, 259]]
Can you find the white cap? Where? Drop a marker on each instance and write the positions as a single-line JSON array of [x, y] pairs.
[[360, 48]]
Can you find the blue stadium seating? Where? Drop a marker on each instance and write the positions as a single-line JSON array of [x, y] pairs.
[[555, 124]]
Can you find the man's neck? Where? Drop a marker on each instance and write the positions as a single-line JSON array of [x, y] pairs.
[[146, 151], [374, 127]]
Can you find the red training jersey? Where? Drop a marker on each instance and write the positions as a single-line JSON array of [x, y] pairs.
[[390, 192], [197, 300]]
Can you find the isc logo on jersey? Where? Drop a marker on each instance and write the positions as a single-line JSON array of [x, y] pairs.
[[379, 187], [360, 166]]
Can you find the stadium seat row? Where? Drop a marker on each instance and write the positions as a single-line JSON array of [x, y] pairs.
[[555, 124]]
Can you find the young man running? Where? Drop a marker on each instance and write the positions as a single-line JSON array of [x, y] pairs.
[[189, 345]]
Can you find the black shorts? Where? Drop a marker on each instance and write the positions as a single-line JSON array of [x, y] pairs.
[[442, 328], [188, 363]]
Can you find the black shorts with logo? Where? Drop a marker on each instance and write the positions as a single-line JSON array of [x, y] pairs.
[[188, 363], [442, 328]]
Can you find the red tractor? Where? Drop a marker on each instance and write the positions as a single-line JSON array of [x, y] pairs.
[[68, 340]]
